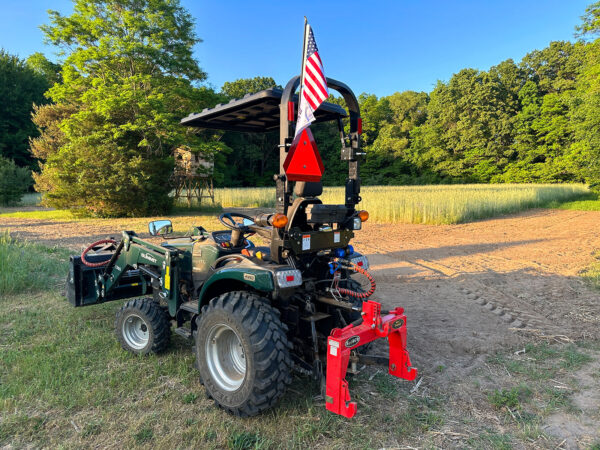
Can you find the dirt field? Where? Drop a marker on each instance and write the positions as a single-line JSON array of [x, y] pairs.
[[470, 291]]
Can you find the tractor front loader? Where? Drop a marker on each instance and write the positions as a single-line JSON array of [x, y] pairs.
[[257, 313]]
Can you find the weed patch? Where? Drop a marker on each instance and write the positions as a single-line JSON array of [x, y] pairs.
[[144, 435], [511, 398], [591, 275], [587, 202], [493, 440], [28, 267], [245, 440]]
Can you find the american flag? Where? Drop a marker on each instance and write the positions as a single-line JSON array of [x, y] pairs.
[[314, 86]]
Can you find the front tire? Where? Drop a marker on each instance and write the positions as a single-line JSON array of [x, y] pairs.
[[142, 327], [242, 352]]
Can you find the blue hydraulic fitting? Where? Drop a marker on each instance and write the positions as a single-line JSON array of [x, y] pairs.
[[334, 266]]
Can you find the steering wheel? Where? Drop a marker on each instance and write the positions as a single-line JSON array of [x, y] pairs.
[[232, 224], [238, 229]]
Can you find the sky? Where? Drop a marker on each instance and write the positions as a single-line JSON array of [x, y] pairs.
[[374, 46]]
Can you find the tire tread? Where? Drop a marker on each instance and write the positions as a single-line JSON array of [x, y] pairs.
[[157, 320], [272, 358]]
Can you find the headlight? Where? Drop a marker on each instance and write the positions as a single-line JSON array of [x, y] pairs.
[[360, 261], [288, 278], [357, 223]]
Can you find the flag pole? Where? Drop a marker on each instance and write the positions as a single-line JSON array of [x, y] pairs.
[[303, 61]]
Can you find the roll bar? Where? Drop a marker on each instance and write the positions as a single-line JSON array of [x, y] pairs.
[[350, 154]]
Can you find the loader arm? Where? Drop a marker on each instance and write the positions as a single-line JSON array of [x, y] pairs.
[[153, 261]]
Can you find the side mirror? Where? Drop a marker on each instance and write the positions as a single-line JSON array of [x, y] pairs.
[[160, 227], [248, 222]]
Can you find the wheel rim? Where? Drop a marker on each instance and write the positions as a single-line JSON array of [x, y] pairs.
[[225, 357], [135, 332]]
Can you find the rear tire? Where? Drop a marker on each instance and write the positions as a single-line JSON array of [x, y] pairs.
[[242, 353], [142, 327]]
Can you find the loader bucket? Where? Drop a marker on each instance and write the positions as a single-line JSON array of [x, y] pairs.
[[83, 288]]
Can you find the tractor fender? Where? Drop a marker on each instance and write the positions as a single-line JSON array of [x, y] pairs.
[[234, 279]]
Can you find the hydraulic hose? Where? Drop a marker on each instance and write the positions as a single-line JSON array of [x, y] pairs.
[[362, 271], [90, 247]]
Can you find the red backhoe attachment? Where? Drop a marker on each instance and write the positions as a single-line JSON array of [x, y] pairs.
[[343, 341]]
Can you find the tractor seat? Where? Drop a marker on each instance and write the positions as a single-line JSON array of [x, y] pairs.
[[308, 189]]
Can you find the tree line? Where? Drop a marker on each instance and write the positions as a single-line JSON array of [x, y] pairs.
[[98, 130]]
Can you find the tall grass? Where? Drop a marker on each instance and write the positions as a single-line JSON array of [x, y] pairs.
[[441, 204], [25, 266], [246, 197], [435, 204]]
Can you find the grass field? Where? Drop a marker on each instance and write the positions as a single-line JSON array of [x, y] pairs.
[[435, 204]]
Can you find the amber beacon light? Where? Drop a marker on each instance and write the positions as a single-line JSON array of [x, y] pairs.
[[279, 220]]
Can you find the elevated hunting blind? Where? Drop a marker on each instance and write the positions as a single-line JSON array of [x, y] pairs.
[[192, 176]]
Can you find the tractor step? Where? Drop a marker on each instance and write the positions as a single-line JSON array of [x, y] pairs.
[[190, 307], [184, 332]]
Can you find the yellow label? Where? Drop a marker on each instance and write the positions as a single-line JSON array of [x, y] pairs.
[[167, 279], [134, 284]]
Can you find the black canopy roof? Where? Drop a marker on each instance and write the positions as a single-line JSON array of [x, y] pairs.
[[254, 113]]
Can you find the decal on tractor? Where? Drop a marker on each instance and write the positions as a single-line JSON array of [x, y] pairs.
[[397, 324], [306, 242], [149, 257], [351, 342]]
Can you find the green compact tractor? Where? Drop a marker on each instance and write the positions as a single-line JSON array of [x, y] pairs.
[[256, 314]]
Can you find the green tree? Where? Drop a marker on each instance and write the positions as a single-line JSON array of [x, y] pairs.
[[243, 86], [389, 156], [128, 78], [584, 153], [590, 26], [554, 68], [468, 134], [20, 88], [14, 182], [44, 67]]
